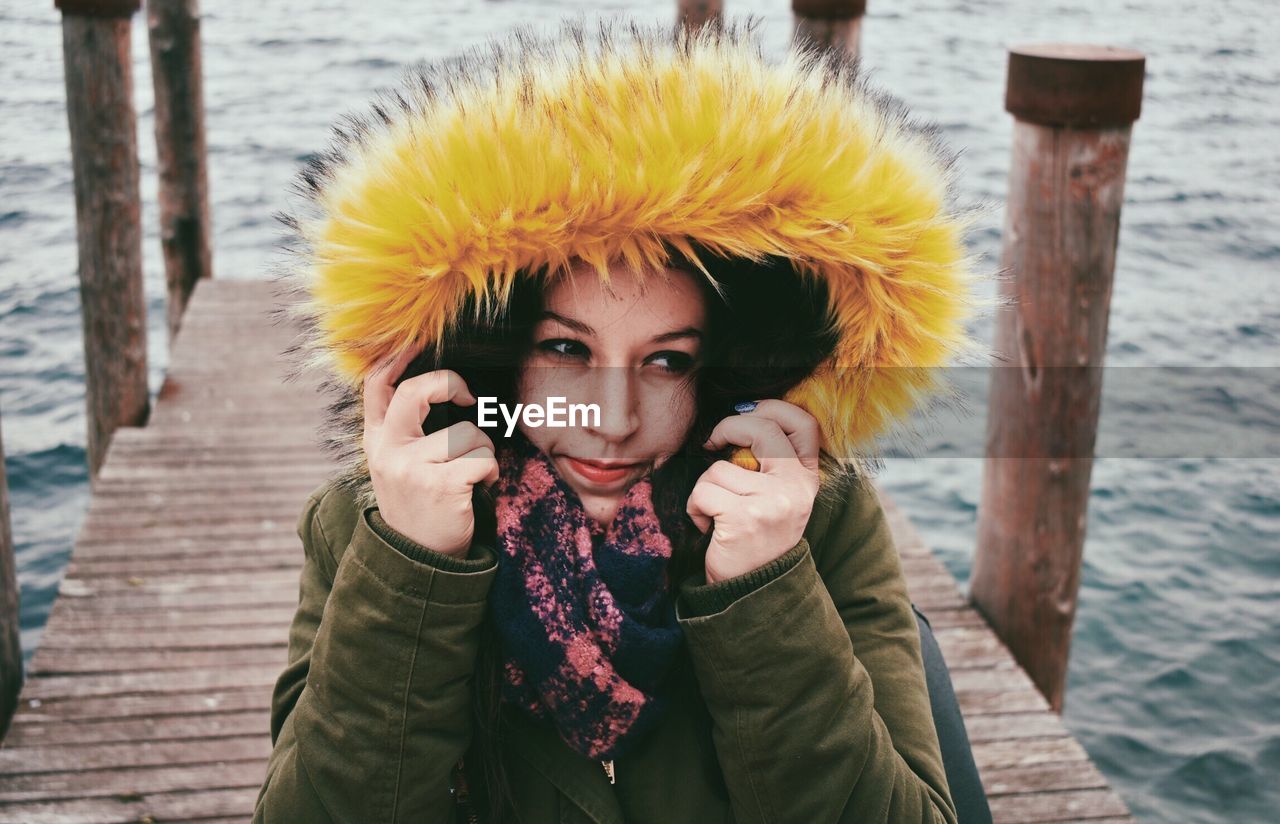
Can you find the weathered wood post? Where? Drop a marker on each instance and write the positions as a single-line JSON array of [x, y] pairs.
[[1074, 108], [693, 13], [832, 24], [10, 639], [99, 75], [174, 34]]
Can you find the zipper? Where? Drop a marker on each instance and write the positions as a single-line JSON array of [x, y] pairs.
[[608, 770], [462, 796]]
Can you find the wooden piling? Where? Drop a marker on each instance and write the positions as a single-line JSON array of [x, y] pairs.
[[691, 14], [1074, 108], [10, 637], [99, 78], [174, 33], [831, 24]]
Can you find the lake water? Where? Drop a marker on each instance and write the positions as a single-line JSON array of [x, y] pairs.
[[1175, 662]]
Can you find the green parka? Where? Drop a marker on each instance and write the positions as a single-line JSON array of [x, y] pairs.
[[799, 696]]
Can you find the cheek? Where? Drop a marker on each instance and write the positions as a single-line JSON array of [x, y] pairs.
[[531, 382], [536, 383], [668, 412], [540, 380], [542, 437]]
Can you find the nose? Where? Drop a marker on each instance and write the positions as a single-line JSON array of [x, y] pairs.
[[614, 389]]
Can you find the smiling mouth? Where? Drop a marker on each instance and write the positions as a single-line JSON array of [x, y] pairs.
[[600, 472]]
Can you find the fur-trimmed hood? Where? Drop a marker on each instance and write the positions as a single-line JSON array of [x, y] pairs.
[[601, 142]]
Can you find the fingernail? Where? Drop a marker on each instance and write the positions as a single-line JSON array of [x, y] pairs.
[[745, 406]]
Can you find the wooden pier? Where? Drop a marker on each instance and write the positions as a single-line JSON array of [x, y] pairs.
[[149, 695]]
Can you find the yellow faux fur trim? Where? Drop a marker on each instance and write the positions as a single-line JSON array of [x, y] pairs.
[[550, 147]]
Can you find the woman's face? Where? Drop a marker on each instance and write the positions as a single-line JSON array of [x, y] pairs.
[[631, 353]]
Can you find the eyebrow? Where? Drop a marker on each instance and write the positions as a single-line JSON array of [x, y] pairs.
[[575, 325], [687, 332], [582, 328]]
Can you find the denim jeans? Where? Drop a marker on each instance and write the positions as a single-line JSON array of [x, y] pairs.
[[957, 758]]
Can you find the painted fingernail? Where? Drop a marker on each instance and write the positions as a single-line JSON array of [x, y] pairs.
[[745, 406]]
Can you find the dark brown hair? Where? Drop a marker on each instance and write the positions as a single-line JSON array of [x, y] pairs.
[[768, 327]]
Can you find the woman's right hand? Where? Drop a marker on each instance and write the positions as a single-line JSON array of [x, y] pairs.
[[422, 482]]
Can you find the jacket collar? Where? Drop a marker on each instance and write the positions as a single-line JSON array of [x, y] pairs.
[[582, 780]]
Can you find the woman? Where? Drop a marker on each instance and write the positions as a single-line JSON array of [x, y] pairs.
[[669, 612]]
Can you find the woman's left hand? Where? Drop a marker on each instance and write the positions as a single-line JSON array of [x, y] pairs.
[[758, 516]]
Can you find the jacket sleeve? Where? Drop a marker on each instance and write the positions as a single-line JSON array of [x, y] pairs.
[[374, 707], [811, 669]]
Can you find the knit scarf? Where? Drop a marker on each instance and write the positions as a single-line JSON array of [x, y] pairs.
[[584, 613]]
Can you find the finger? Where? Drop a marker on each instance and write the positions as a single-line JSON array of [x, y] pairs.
[[800, 427], [708, 501], [478, 465], [700, 522], [451, 443], [378, 386], [766, 439], [736, 479], [413, 398]]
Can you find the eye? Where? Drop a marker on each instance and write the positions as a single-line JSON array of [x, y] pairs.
[[673, 361], [565, 348]]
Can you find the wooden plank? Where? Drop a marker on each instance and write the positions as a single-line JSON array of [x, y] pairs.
[[198, 530], [996, 703], [278, 539], [255, 579], [135, 782], [970, 647], [72, 708], [1051, 777], [931, 598], [116, 500], [963, 616], [56, 757], [145, 521], [996, 755], [1056, 806], [80, 661], [162, 637], [313, 473], [190, 601], [181, 805], [220, 467], [1012, 725], [69, 686], [297, 439], [65, 623], [145, 437], [196, 455], [149, 728], [289, 559], [193, 486]]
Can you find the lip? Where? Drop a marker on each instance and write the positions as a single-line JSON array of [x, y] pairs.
[[600, 472]]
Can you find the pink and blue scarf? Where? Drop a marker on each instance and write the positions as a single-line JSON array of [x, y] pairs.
[[585, 613]]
